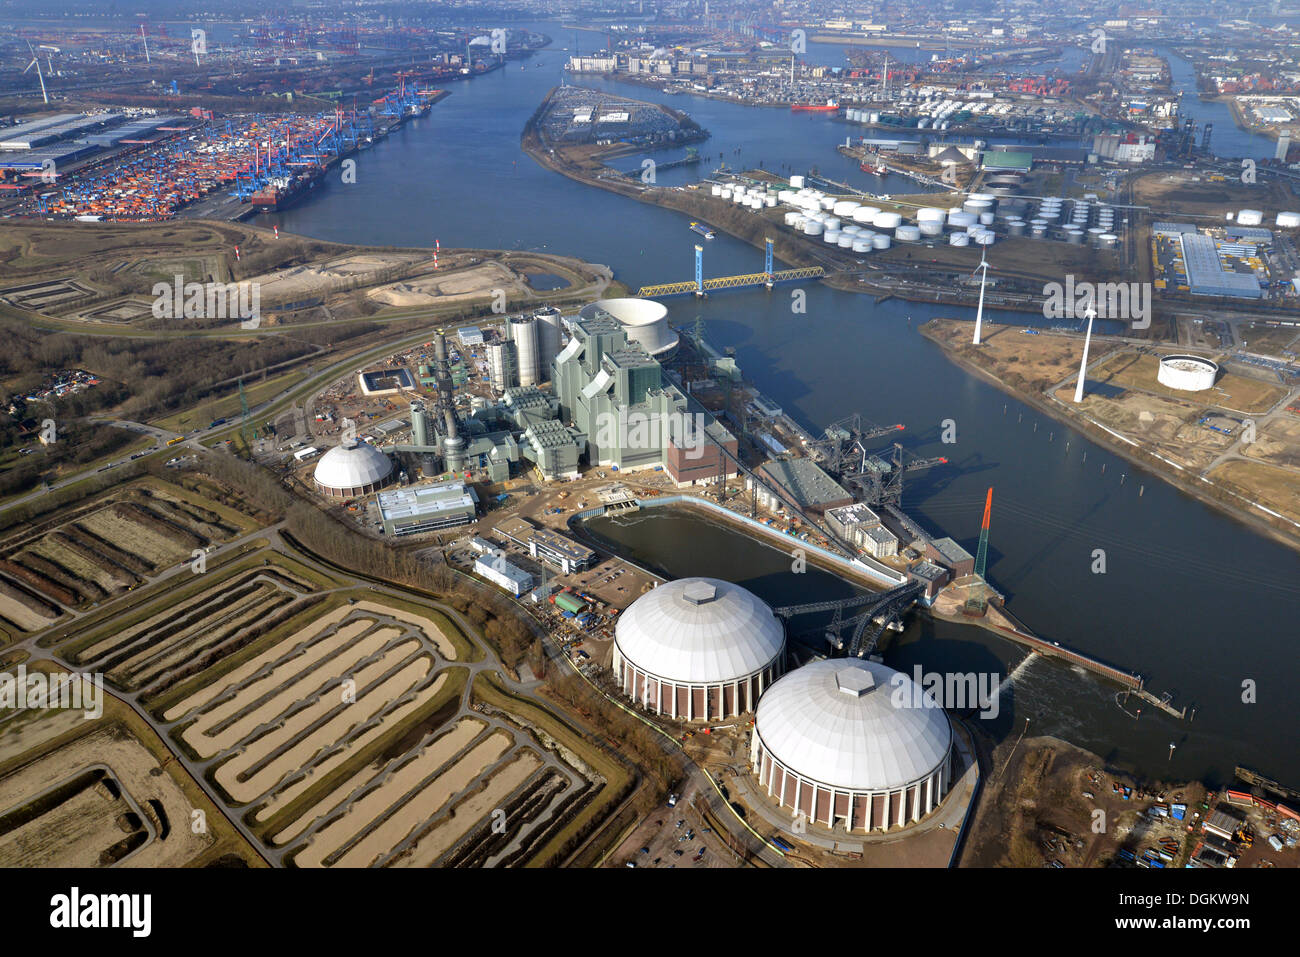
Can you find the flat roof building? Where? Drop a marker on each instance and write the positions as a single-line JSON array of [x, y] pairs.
[[804, 481], [950, 555], [426, 508], [496, 568], [547, 545]]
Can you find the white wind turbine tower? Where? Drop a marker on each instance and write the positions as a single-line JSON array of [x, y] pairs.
[[1091, 313], [983, 270], [36, 62]]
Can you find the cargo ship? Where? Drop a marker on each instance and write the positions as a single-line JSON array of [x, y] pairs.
[[703, 230], [830, 106], [875, 169], [282, 191]]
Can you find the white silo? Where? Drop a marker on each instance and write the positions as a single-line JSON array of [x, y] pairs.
[[523, 331], [548, 322]]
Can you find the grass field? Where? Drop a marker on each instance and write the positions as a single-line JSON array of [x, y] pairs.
[[228, 406], [1233, 392]]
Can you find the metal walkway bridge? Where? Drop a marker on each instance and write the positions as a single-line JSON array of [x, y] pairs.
[[701, 286], [868, 624]]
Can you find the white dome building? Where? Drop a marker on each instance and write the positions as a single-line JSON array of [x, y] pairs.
[[352, 469], [853, 743], [699, 649], [644, 320]]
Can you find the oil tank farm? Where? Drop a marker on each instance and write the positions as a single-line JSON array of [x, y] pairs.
[[854, 744], [1187, 373], [699, 649], [352, 469], [644, 320]]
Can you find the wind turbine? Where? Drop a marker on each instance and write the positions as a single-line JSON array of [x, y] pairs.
[[1091, 313], [36, 62], [983, 269]]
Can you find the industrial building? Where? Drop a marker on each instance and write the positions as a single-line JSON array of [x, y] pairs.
[[503, 366], [614, 394], [643, 320], [352, 469], [470, 335], [426, 508], [946, 552], [802, 480], [553, 450], [1200, 256], [854, 744], [546, 545], [496, 568], [699, 649]]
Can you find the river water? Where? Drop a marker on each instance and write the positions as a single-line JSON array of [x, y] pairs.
[[1190, 598]]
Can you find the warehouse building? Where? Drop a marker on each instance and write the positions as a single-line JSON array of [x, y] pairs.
[[946, 552], [804, 481], [699, 649], [427, 508], [852, 744]]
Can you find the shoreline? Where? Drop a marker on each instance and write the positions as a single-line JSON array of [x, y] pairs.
[[1136, 456]]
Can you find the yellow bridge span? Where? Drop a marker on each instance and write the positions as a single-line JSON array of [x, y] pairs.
[[729, 282]]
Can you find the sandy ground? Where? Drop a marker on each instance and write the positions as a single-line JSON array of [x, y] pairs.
[[474, 282], [298, 281], [335, 759], [1278, 443], [237, 775], [1277, 488], [431, 631], [301, 679], [1235, 392], [22, 616], [1167, 424], [299, 639], [134, 768], [470, 811], [447, 745], [410, 814]]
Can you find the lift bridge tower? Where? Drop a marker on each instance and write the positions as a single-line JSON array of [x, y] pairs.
[[976, 600]]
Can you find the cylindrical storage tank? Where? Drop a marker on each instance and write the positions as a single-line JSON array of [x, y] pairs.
[[796, 182], [738, 196], [879, 241], [715, 190], [698, 649], [862, 245], [886, 221], [875, 117], [1051, 216], [769, 201], [792, 217], [832, 745], [832, 222], [977, 206], [831, 236], [986, 219], [959, 239], [523, 331], [725, 193], [1288, 220], [931, 229], [1250, 217], [549, 335], [846, 240], [985, 238], [1074, 237], [974, 229], [961, 220], [1016, 227], [812, 228], [1038, 232], [826, 202], [982, 197], [1187, 373], [845, 207], [1109, 240], [852, 229], [865, 214], [930, 214], [908, 234], [785, 195]]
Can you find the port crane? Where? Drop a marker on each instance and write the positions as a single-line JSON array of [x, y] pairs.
[[879, 481], [879, 609], [843, 441]]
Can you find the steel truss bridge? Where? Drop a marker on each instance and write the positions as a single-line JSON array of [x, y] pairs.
[[880, 609], [700, 286]]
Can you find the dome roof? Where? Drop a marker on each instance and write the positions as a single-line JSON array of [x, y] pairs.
[[699, 630], [644, 320], [352, 466], [836, 722]]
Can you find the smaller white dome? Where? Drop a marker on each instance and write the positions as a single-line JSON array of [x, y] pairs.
[[355, 465]]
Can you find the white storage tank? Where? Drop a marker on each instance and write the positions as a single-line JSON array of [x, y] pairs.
[[879, 241], [826, 202], [887, 220], [931, 229], [977, 206], [846, 240], [865, 214], [1250, 217], [1187, 373], [845, 207], [1288, 220], [769, 202], [986, 219], [792, 217], [960, 220], [986, 238], [812, 228], [796, 182], [715, 190], [832, 222], [907, 234], [1109, 240], [930, 214], [831, 236], [959, 239]]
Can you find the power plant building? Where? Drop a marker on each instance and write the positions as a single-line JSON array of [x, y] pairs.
[[553, 449], [699, 649], [614, 394], [804, 481], [853, 744], [502, 366]]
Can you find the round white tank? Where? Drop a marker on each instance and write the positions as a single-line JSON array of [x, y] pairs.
[[852, 229], [982, 197], [887, 220], [907, 234], [986, 238], [930, 214], [796, 182], [846, 240], [769, 201], [1250, 217], [865, 214], [862, 245], [792, 217], [931, 229], [826, 202], [812, 228], [715, 190], [961, 220], [832, 222], [845, 207], [1187, 373], [1108, 240], [977, 206], [879, 241], [831, 236], [738, 196], [725, 193], [959, 239], [986, 219], [523, 331], [1288, 220]]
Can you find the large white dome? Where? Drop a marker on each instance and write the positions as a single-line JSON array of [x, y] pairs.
[[350, 467], [644, 320], [699, 631], [854, 725]]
